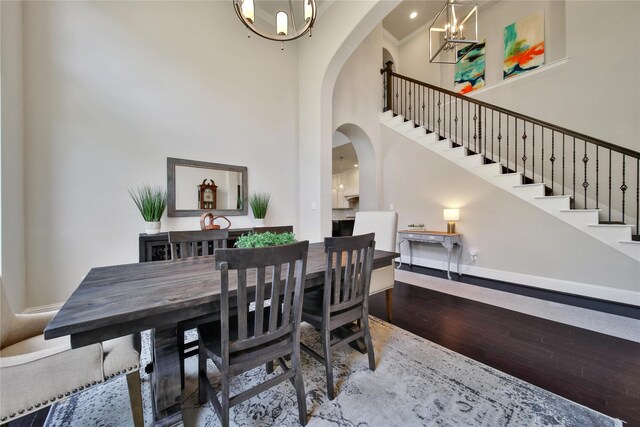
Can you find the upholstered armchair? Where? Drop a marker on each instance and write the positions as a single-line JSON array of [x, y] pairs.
[[385, 225], [35, 372]]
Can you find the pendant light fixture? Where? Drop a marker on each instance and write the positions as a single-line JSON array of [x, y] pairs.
[[453, 30], [286, 28]]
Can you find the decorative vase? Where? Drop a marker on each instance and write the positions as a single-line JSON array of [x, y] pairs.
[[152, 227], [259, 222]]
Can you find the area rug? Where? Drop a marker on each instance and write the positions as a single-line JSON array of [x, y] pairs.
[[416, 383]]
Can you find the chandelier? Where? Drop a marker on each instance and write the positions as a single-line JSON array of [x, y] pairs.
[[286, 26], [453, 31]]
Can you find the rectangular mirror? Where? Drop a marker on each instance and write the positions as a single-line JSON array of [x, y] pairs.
[[195, 187]]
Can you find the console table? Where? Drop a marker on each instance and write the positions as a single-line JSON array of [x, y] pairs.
[[448, 240]]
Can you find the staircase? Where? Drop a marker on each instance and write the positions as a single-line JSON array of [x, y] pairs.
[[587, 183]]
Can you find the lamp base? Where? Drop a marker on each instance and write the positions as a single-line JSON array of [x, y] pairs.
[[451, 227]]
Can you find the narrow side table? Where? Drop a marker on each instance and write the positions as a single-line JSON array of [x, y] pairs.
[[447, 240]]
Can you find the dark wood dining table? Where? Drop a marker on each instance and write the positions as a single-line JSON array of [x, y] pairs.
[[120, 300]]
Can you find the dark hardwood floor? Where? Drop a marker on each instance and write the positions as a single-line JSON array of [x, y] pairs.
[[595, 370], [589, 368]]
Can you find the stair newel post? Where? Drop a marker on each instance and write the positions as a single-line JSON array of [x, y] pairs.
[[637, 197], [585, 184], [623, 187], [388, 83]]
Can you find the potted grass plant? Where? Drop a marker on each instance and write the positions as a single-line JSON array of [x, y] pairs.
[[151, 202], [259, 204], [259, 240]]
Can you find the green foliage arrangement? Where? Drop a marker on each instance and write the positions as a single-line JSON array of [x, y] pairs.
[[259, 204], [415, 225], [259, 240], [151, 202]]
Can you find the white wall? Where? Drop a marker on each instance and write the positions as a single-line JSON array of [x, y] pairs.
[[114, 88], [593, 93], [12, 155]]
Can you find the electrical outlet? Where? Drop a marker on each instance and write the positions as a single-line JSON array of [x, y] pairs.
[[391, 206], [474, 254]]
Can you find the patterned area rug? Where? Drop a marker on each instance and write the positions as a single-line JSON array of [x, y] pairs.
[[415, 383]]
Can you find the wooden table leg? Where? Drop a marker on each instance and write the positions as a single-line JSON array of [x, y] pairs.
[[165, 378]]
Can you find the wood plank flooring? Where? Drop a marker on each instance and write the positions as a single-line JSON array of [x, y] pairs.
[[595, 370], [589, 368]]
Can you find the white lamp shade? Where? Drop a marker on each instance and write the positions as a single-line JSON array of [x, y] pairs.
[[248, 10], [282, 23], [308, 10], [451, 214]]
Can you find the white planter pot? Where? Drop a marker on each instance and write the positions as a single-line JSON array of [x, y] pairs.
[[259, 222], [152, 227]]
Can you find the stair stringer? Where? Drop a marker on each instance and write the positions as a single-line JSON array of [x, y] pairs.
[[618, 236]]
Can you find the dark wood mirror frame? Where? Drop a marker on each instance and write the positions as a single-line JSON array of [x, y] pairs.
[[171, 187]]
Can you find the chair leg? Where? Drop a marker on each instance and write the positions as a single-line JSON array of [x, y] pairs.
[[202, 376], [389, 295], [269, 367], [135, 397], [326, 343], [367, 340], [180, 335], [299, 385], [224, 419]]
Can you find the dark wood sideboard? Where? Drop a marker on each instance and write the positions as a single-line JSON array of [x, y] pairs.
[[155, 247]]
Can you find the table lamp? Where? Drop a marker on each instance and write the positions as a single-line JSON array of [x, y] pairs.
[[451, 215]]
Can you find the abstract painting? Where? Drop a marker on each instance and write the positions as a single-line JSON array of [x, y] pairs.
[[469, 74], [524, 45]]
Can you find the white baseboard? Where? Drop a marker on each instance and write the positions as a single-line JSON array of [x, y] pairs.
[[548, 283], [43, 308]]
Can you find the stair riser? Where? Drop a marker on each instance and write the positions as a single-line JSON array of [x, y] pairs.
[[507, 181], [613, 234], [578, 218], [529, 192], [489, 171], [552, 204], [472, 161]]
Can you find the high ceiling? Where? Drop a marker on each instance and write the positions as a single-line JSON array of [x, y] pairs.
[[400, 25], [349, 157]]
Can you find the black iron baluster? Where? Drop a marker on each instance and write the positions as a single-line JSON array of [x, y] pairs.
[[507, 144], [610, 154], [553, 159], [485, 130], [439, 121], [574, 166], [499, 137], [623, 187], [455, 120], [492, 150], [533, 151], [475, 128], [597, 176], [515, 148], [637, 197], [468, 124], [542, 155], [397, 87], [524, 150], [450, 104], [424, 118], [410, 107], [585, 184]]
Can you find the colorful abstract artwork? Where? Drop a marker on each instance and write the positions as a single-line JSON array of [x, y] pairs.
[[469, 74], [524, 45]]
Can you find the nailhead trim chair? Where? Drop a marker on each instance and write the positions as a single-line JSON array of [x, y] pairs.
[[35, 372]]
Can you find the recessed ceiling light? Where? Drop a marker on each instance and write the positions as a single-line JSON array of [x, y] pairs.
[[413, 15], [355, 166]]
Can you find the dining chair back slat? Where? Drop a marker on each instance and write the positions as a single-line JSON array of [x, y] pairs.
[[190, 244]]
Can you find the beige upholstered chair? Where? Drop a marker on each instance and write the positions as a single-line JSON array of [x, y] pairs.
[[35, 372], [385, 225]]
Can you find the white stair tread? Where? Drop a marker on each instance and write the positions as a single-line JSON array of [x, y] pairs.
[[629, 242], [609, 225], [580, 210], [552, 197], [528, 185]]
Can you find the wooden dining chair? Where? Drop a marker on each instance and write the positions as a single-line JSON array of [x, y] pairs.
[[245, 339], [185, 245], [344, 299]]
